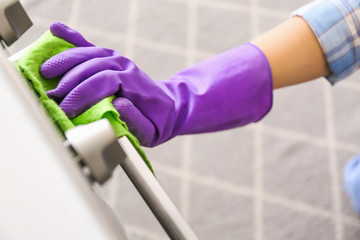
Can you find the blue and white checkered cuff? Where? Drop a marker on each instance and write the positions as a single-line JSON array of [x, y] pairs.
[[336, 26]]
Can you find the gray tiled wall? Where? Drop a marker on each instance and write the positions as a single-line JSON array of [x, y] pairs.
[[278, 179]]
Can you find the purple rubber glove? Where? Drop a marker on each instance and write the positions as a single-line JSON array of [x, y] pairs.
[[226, 91]]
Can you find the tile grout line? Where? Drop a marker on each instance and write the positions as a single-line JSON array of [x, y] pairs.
[[186, 144], [258, 183], [306, 138], [218, 5], [207, 180], [131, 29], [191, 32], [104, 34], [258, 156], [222, 185], [243, 7], [336, 196], [147, 43], [246, 191], [74, 13], [184, 177], [254, 19]]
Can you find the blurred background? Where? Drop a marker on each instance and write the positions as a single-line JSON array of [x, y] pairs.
[[277, 179]]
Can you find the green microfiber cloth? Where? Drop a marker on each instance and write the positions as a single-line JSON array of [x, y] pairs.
[[29, 66]]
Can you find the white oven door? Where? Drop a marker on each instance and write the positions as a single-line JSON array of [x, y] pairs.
[[43, 194]]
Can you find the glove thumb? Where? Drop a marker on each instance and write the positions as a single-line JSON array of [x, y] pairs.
[[138, 124], [68, 34]]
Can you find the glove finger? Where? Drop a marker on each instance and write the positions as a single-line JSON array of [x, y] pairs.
[[138, 124], [90, 92], [68, 34], [64, 61], [81, 72]]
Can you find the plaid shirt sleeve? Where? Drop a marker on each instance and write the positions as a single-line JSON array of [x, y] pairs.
[[336, 25]]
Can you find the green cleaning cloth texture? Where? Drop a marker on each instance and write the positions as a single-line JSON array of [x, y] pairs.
[[29, 66]]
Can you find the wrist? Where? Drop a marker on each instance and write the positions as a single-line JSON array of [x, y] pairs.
[[337, 35], [292, 51]]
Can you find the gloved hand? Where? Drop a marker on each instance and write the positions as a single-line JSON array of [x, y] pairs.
[[352, 181], [228, 90]]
